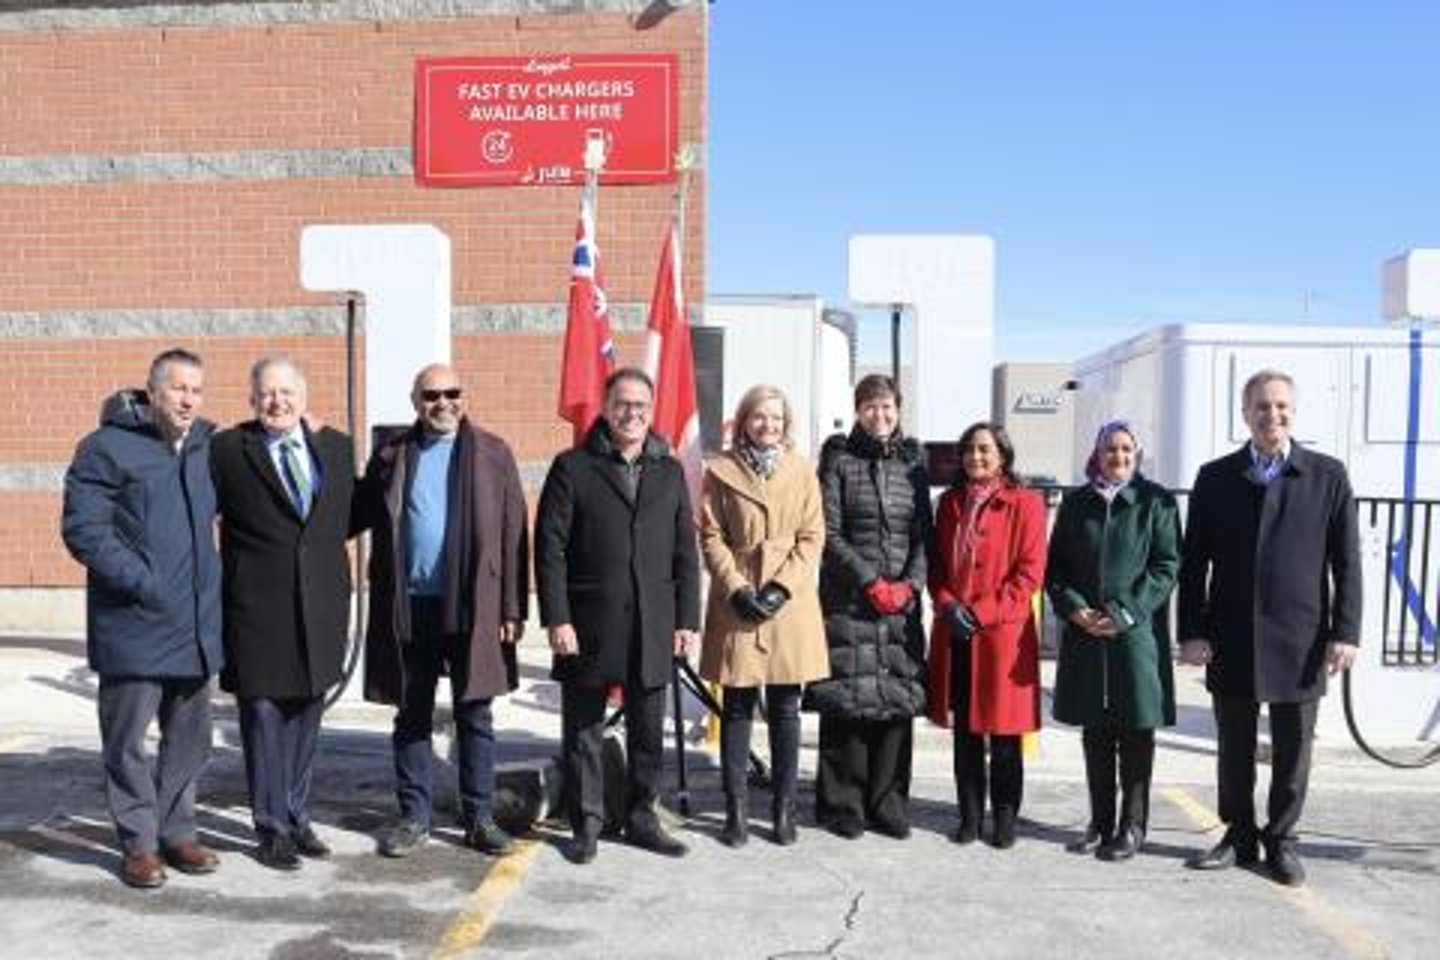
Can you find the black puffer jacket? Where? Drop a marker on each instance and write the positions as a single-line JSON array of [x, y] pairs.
[[877, 525]]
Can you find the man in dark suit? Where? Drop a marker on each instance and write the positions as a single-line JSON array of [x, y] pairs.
[[449, 594], [619, 593], [1269, 602], [284, 492], [139, 508]]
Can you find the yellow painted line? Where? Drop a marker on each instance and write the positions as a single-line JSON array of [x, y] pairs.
[[712, 721], [1356, 941], [480, 914], [1199, 814]]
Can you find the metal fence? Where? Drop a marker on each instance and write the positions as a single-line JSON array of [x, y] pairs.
[[1409, 605]]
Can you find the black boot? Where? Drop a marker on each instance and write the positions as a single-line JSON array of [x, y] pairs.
[[736, 830], [735, 762], [1003, 835], [1125, 845], [783, 711], [968, 831], [784, 823]]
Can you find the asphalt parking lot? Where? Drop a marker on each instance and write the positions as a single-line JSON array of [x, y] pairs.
[[1371, 842]]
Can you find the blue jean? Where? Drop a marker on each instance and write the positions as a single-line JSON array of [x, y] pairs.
[[427, 654]]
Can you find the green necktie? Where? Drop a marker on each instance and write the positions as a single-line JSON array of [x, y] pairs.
[[296, 476]]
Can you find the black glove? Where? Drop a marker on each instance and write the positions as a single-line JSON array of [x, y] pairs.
[[771, 598], [747, 605], [1119, 616], [962, 622]]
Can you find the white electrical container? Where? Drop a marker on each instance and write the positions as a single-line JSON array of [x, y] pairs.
[[1181, 386], [786, 341]]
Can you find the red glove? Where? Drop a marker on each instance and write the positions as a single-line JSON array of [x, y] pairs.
[[878, 593], [889, 597]]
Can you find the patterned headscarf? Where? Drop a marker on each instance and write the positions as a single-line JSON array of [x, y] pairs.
[[1095, 472]]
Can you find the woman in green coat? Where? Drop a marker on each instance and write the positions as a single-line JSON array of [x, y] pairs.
[[1114, 556]]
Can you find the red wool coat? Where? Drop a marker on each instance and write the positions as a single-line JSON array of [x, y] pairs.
[[1007, 571]]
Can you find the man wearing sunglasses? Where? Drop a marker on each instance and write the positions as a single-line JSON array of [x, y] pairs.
[[449, 588]]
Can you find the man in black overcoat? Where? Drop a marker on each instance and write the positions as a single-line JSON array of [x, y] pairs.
[[1269, 604], [618, 573], [284, 492]]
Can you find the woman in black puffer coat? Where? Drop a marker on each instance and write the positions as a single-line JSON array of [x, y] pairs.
[[877, 528]]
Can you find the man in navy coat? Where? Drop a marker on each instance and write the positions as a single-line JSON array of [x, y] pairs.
[[139, 515], [1269, 604]]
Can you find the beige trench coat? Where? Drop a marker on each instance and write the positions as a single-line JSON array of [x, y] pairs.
[[752, 533]]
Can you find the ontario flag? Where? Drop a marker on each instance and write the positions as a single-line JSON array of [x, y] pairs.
[[669, 363], [589, 349]]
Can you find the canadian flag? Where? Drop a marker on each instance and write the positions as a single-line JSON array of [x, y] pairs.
[[669, 363], [589, 349]]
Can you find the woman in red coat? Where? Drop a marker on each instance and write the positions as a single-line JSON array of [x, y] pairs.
[[985, 652]]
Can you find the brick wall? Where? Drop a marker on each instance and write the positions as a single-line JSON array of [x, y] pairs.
[[190, 214]]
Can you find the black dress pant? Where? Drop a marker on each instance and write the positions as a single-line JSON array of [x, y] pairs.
[[1006, 774], [1292, 737], [864, 772], [782, 717], [279, 739], [582, 708], [1105, 744]]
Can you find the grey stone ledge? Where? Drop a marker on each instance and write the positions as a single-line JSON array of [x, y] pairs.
[[542, 318], [206, 167], [115, 324], [50, 477], [37, 15], [538, 318], [32, 477]]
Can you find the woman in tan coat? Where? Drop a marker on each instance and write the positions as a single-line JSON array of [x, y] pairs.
[[762, 530]]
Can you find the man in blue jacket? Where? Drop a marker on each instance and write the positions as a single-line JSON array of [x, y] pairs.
[[139, 515]]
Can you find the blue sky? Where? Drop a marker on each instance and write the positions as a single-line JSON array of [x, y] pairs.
[[1136, 163]]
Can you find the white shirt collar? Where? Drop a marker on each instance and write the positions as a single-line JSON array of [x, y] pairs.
[[1256, 456], [275, 439]]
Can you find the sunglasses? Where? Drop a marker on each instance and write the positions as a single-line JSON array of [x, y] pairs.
[[449, 393]]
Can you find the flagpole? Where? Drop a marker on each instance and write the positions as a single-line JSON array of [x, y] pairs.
[[589, 350], [685, 161], [595, 150]]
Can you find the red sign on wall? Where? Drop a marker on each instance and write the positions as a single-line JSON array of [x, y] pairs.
[[502, 121]]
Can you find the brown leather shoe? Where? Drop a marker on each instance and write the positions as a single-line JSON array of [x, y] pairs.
[[191, 857], [143, 870]]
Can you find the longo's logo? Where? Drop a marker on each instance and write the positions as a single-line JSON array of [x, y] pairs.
[[498, 146]]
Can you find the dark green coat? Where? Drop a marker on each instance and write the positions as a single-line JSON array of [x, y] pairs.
[[1121, 557]]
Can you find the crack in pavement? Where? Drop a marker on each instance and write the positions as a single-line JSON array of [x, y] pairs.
[[852, 915]]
